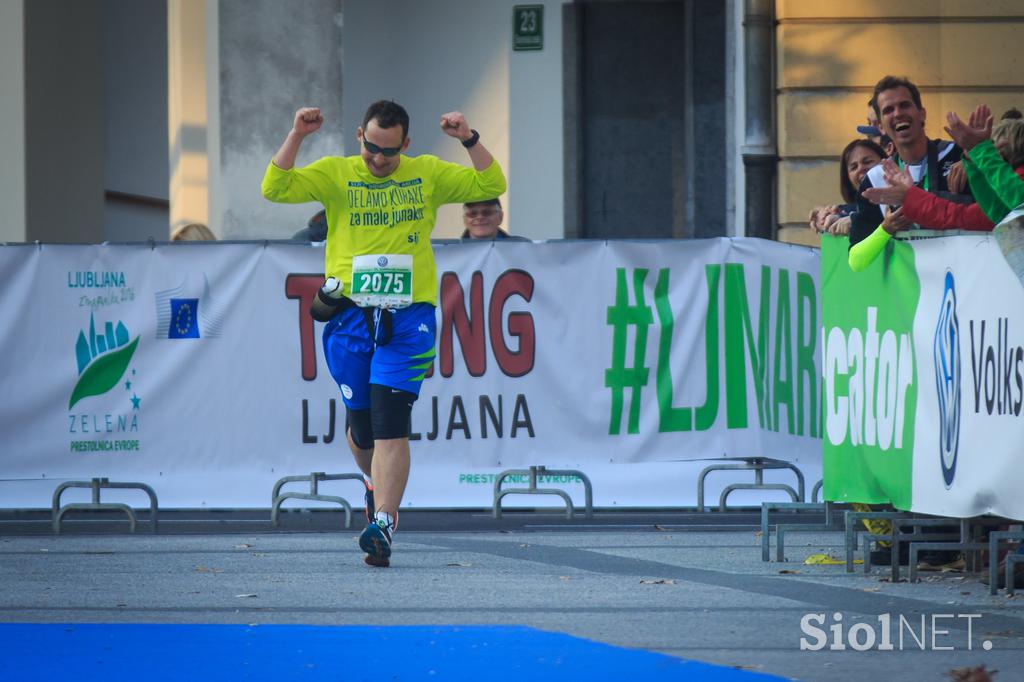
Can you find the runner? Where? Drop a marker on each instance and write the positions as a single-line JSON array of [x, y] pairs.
[[381, 289]]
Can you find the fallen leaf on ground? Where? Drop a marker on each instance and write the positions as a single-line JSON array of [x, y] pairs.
[[827, 560], [979, 674], [871, 589], [243, 546], [788, 571], [660, 581], [460, 563], [246, 596], [657, 527]]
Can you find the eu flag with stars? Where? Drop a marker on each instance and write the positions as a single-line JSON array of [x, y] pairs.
[[184, 319]]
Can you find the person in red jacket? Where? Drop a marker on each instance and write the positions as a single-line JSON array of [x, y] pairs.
[[934, 212]]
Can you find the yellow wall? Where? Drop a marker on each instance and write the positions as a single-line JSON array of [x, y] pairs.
[[187, 113], [830, 53]]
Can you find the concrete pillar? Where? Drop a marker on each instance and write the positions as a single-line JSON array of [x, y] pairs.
[[12, 113], [188, 116], [275, 57], [759, 154]]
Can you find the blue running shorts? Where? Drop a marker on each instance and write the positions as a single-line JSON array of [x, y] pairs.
[[355, 361]]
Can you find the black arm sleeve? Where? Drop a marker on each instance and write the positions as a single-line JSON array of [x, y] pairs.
[[866, 218]]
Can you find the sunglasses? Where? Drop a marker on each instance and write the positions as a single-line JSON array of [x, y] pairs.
[[386, 151], [480, 213]]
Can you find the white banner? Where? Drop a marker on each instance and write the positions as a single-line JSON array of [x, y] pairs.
[[195, 368], [971, 321]]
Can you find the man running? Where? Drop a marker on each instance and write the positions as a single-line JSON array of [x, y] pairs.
[[381, 289]]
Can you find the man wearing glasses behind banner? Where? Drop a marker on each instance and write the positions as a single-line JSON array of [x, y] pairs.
[[381, 289]]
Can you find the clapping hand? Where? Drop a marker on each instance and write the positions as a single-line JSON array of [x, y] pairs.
[[818, 219], [894, 221], [956, 178], [899, 182], [977, 129]]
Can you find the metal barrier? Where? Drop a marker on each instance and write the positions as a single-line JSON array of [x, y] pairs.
[[1016, 532], [965, 545], [852, 519], [782, 529], [58, 512], [758, 465], [533, 472], [314, 480], [1011, 568], [785, 506]]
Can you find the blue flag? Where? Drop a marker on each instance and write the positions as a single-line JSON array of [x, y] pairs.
[[184, 319]]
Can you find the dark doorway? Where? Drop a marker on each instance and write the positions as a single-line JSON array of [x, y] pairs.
[[645, 107]]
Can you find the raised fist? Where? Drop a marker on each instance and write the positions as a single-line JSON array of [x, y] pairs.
[[454, 124], [307, 120]]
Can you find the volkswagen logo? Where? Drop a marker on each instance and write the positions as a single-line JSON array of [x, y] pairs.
[[947, 379], [382, 261]]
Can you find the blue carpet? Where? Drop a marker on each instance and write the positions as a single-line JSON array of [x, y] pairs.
[[307, 652]]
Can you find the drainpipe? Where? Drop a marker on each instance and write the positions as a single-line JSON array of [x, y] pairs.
[[759, 154]]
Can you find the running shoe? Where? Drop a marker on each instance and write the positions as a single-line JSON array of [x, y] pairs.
[[375, 540]]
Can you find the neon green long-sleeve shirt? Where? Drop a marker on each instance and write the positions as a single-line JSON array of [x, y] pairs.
[[367, 215]]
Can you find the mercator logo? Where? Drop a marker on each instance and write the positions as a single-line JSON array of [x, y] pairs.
[[947, 379]]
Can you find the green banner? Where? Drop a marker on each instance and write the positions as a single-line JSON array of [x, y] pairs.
[[869, 387]]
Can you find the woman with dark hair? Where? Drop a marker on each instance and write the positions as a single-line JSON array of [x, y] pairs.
[[857, 159]]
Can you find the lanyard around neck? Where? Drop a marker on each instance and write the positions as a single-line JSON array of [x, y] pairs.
[[924, 172]]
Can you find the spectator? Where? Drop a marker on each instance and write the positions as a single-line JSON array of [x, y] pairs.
[[1012, 113], [193, 232], [315, 230], [1002, 188], [482, 220], [898, 106], [856, 160], [928, 210], [873, 133]]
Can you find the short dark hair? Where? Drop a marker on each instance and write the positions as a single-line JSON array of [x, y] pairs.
[[846, 187], [889, 83], [1011, 114], [388, 114], [486, 202]]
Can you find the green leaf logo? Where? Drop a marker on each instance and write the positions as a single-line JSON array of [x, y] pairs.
[[104, 373]]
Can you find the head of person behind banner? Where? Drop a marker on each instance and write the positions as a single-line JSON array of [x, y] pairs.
[[193, 232], [482, 220], [902, 116]]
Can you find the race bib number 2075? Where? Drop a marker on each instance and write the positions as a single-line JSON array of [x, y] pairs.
[[382, 280]]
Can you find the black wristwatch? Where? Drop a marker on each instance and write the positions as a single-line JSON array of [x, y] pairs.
[[474, 138]]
